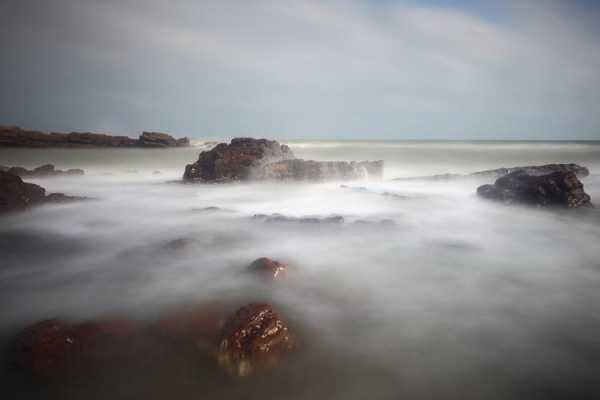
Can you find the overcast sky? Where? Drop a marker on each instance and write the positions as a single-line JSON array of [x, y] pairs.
[[355, 69]]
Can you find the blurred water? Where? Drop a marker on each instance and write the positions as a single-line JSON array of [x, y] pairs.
[[458, 298]]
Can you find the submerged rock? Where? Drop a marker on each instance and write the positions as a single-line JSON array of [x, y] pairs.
[[269, 269], [534, 170], [61, 198], [333, 219], [199, 324], [558, 188], [252, 339], [261, 159], [16, 195], [54, 348]]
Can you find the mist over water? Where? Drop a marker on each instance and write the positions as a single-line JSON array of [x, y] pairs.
[[426, 292]]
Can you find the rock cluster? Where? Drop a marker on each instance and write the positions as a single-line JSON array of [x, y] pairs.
[[17, 137], [560, 188], [261, 159], [16, 195], [44, 171]]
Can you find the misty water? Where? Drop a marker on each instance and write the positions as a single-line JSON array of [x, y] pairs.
[[426, 292]]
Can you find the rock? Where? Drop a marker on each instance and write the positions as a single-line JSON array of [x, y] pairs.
[[309, 170], [16, 195], [236, 161], [261, 159], [54, 348], [16, 137], [334, 219], [179, 244], [44, 171], [269, 269], [559, 188], [535, 170], [183, 142], [156, 139], [61, 198], [253, 338]]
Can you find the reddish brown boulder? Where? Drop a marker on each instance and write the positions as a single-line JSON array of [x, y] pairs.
[[16, 195], [54, 348], [253, 338], [269, 269]]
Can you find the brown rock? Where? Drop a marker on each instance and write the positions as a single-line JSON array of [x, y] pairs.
[[16, 195], [253, 338], [556, 189], [44, 171], [156, 139], [236, 160], [54, 348], [269, 269]]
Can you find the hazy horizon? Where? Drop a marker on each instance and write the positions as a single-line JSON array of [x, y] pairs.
[[339, 69]]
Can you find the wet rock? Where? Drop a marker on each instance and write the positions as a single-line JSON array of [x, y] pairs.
[[253, 338], [556, 189], [54, 348], [16, 195], [334, 219], [182, 142], [236, 160], [269, 269], [309, 170], [14, 136]]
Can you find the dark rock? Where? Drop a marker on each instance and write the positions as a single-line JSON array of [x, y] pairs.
[[16, 137], [183, 142], [334, 219], [61, 198], [535, 170], [269, 269], [309, 170], [54, 348], [556, 189], [16, 195], [44, 171], [237, 160], [252, 339]]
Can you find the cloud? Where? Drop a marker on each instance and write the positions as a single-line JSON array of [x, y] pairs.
[[302, 68]]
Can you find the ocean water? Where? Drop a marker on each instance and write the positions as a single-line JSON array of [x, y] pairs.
[[426, 292]]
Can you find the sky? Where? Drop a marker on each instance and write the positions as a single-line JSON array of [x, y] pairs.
[[304, 69]]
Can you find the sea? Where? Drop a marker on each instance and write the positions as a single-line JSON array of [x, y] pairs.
[[423, 291]]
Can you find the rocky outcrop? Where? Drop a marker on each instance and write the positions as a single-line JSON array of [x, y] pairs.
[[560, 188], [16, 195], [261, 159], [44, 171], [253, 338], [236, 160], [14, 136], [535, 170], [54, 348], [268, 269]]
